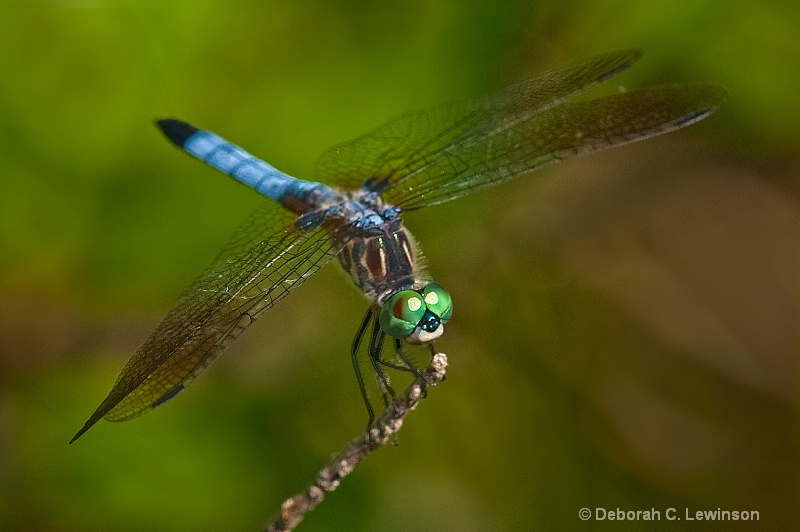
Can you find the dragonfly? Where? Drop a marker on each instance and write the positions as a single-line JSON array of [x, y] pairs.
[[354, 212]]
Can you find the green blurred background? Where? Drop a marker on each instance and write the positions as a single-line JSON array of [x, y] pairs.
[[626, 325]]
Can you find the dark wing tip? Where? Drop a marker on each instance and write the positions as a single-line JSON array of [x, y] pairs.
[[625, 57], [693, 117], [711, 96], [176, 131], [169, 395]]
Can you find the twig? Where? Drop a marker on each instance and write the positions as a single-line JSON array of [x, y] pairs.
[[294, 509]]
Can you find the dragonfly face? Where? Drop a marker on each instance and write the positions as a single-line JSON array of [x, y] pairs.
[[417, 316], [354, 212]]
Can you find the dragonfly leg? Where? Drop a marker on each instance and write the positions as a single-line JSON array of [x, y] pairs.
[[375, 348], [409, 366], [354, 356], [375, 352]]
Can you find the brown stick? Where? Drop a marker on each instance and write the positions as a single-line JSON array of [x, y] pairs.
[[294, 509]]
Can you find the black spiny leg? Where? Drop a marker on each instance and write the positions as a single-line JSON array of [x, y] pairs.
[[375, 352], [354, 355], [375, 348], [409, 367]]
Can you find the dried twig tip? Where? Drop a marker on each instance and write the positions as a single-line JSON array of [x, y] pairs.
[[391, 421]]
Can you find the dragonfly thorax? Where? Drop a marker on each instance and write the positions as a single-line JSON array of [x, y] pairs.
[[375, 249], [384, 261]]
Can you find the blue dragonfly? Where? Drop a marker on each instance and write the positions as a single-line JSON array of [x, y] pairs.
[[354, 213]]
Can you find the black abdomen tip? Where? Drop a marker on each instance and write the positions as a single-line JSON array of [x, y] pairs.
[[176, 131]]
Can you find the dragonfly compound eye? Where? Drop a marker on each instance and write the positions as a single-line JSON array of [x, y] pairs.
[[438, 301], [401, 313]]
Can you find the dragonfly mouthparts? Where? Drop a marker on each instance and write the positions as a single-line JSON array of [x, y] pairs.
[[422, 336], [428, 329]]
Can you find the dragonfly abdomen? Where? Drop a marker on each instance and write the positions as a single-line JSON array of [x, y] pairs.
[[238, 163]]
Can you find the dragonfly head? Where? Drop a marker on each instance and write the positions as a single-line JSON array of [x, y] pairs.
[[417, 316]]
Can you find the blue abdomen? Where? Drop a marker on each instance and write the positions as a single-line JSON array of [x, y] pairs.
[[237, 163]]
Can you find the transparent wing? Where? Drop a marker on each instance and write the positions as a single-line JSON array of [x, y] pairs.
[[250, 275], [511, 146], [430, 157], [403, 145]]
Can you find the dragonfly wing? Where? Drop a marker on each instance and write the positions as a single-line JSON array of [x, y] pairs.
[[392, 151], [513, 143], [250, 275]]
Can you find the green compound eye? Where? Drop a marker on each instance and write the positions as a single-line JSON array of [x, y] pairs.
[[438, 301], [401, 313]]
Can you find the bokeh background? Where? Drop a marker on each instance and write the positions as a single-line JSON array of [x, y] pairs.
[[626, 325]]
